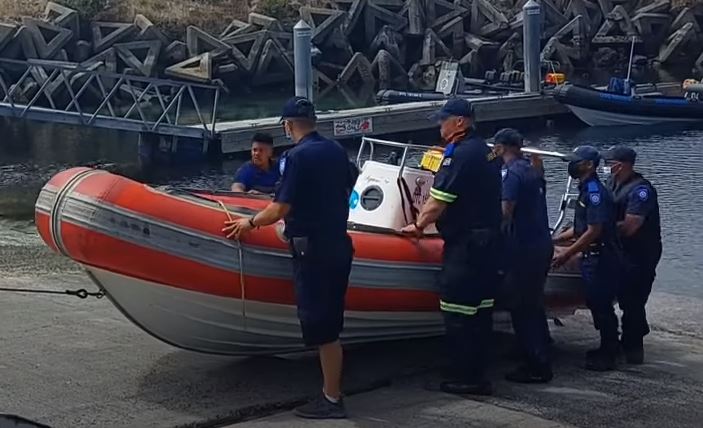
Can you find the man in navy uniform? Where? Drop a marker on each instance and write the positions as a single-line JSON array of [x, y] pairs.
[[465, 203], [640, 233], [313, 197], [529, 253], [595, 237], [259, 175]]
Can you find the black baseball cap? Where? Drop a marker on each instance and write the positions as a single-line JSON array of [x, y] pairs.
[[298, 108], [620, 154], [508, 137], [453, 107], [584, 153]]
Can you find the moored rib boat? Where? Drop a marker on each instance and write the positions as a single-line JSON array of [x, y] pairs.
[[162, 259]]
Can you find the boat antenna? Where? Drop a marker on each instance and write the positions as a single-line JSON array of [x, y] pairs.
[[632, 54]]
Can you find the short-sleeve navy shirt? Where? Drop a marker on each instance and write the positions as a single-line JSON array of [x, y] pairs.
[[469, 182], [316, 181], [638, 197], [595, 207], [255, 178], [525, 186]]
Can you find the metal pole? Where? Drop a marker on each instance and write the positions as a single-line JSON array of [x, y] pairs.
[[531, 35], [302, 52]]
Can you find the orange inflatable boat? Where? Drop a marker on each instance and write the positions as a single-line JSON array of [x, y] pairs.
[[161, 258]]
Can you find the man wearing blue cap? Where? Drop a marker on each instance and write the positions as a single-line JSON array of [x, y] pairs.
[[313, 198], [529, 251], [639, 227], [595, 236], [465, 204]]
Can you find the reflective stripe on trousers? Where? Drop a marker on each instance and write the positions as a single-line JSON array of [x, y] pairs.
[[465, 309]]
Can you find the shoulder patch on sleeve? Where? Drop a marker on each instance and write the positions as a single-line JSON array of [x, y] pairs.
[[595, 198], [282, 164], [447, 161], [642, 193], [504, 173]]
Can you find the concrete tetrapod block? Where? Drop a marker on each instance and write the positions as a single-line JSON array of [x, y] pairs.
[[199, 41], [265, 22], [439, 12], [7, 32], [198, 68], [675, 42], [322, 21], [48, 38], [376, 17], [63, 16], [108, 59], [389, 72], [148, 31], [685, 16], [175, 52], [486, 20], [389, 40], [274, 65], [140, 56], [106, 34], [433, 48], [247, 48]]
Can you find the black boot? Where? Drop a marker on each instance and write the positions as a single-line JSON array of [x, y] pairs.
[[634, 351], [466, 388], [534, 373]]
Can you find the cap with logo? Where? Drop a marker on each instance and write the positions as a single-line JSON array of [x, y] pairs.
[[620, 154], [584, 153], [460, 107], [508, 137], [298, 108]]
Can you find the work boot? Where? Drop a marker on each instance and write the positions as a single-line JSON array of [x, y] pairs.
[[601, 361], [322, 408], [531, 374], [466, 388], [634, 351]]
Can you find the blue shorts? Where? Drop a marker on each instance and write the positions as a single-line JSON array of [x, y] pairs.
[[321, 277]]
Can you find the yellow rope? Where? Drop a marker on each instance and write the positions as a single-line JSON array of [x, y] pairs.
[[241, 268]]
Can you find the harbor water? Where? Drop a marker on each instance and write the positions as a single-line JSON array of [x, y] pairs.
[[30, 153]]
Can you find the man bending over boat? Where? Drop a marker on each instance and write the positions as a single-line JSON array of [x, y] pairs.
[[313, 198], [259, 175], [465, 202]]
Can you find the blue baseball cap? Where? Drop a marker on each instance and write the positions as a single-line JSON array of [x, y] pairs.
[[584, 153], [298, 108], [453, 107], [620, 154], [508, 137]]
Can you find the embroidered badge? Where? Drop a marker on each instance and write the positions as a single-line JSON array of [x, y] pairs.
[[447, 161], [643, 194], [595, 198], [504, 173], [282, 165]]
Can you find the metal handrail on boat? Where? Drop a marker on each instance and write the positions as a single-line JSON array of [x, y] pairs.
[[566, 197]]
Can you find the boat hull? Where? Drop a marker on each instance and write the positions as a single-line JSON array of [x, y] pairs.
[[163, 262], [600, 108]]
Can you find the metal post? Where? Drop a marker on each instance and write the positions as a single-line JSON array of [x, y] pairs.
[[302, 51], [531, 35]]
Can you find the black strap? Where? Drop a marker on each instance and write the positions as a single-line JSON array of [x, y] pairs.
[[407, 195]]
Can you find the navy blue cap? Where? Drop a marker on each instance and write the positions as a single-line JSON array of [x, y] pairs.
[[620, 154], [584, 153], [298, 108], [508, 137], [453, 107]]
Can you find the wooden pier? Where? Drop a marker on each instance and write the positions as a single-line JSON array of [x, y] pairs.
[[389, 119]]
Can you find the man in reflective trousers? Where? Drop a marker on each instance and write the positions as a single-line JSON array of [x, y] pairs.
[[465, 203], [528, 251], [639, 228], [313, 197], [595, 237]]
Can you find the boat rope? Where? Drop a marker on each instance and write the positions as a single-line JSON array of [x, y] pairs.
[[241, 267], [82, 293]]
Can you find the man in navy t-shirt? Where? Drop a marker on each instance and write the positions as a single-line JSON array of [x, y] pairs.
[[259, 175], [529, 252]]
